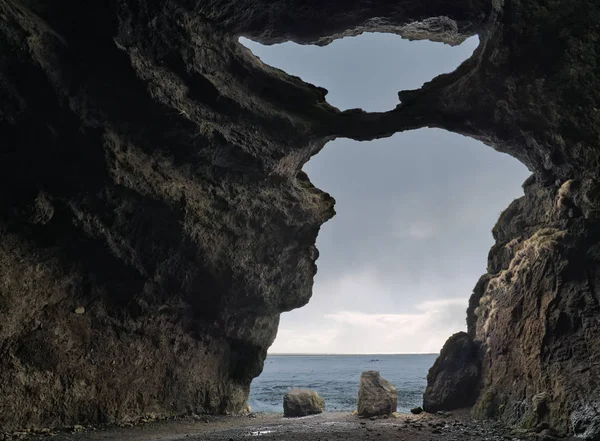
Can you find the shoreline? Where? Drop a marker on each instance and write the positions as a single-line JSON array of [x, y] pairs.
[[330, 426]]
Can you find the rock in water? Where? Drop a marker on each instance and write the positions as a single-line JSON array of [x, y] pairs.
[[302, 402], [376, 395], [453, 381]]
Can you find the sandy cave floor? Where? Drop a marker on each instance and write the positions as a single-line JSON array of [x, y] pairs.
[[329, 426]]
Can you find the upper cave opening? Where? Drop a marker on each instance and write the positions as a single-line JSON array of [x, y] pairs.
[[368, 70]]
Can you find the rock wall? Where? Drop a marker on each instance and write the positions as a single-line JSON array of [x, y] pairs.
[[535, 316], [155, 221], [537, 313]]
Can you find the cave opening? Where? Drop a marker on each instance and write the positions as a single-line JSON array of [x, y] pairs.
[[183, 154], [413, 227], [368, 70]]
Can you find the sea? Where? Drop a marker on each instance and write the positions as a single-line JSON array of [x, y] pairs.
[[337, 377]]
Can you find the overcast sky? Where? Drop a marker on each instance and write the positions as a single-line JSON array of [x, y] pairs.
[[414, 212]]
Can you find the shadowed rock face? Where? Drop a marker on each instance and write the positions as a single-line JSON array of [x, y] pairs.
[[453, 381], [151, 175]]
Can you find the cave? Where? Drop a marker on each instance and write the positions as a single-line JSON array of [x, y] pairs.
[[365, 71], [156, 222]]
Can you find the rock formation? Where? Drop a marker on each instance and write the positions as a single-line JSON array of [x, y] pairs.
[[536, 312], [302, 402], [453, 381], [376, 395], [155, 221]]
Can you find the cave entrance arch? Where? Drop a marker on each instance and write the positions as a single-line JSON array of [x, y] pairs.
[[414, 212]]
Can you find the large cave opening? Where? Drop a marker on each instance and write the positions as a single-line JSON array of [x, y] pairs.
[[410, 239]]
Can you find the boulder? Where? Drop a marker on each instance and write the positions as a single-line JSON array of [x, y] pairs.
[[453, 380], [376, 395], [302, 402]]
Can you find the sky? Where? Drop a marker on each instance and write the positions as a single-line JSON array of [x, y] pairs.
[[414, 212]]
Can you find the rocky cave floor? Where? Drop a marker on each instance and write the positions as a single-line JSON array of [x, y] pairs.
[[329, 426]]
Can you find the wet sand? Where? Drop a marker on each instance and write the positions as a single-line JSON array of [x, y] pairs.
[[329, 426]]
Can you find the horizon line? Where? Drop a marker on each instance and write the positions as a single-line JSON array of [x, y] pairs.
[[340, 353]]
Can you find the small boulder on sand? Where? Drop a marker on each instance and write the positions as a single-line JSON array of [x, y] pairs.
[[376, 395], [302, 402]]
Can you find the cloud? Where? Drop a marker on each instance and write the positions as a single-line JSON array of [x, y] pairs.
[[418, 230], [359, 288], [355, 332], [304, 340]]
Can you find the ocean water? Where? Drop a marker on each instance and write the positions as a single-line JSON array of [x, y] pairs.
[[337, 377]]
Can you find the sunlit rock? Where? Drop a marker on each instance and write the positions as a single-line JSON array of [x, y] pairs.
[[302, 402]]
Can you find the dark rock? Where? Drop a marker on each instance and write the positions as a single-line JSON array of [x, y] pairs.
[[376, 395], [150, 170], [541, 426], [546, 435], [540, 404], [530, 261], [586, 422], [302, 402], [416, 410], [169, 202], [453, 380]]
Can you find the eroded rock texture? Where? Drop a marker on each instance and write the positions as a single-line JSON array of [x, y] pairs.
[[453, 380], [302, 402], [376, 396], [154, 218], [150, 173], [536, 312]]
